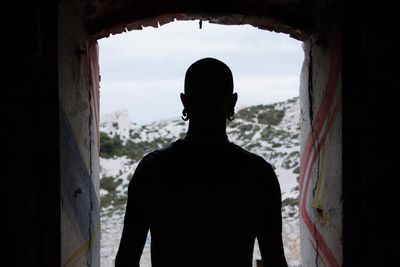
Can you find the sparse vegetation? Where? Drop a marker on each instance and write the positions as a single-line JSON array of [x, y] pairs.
[[112, 197], [297, 170], [290, 207], [110, 146], [271, 116], [109, 183], [113, 146], [134, 135], [253, 145], [276, 145], [292, 160], [291, 202], [246, 114], [114, 200], [267, 133], [245, 127]]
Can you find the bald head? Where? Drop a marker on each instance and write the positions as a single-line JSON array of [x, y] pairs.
[[208, 96], [208, 78]]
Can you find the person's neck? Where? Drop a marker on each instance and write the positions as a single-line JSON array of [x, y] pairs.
[[206, 133]]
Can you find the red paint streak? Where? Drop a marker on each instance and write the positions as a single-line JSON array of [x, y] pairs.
[[322, 110], [322, 245], [307, 154], [314, 246]]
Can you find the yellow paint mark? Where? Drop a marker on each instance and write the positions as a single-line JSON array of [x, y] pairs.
[[84, 247], [318, 201]]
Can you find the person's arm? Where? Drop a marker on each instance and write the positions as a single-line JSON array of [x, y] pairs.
[[269, 234], [136, 222]]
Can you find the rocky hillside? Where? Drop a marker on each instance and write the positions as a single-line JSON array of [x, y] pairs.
[[271, 131]]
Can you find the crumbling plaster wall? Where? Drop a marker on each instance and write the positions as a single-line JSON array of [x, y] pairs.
[[321, 205], [79, 143]]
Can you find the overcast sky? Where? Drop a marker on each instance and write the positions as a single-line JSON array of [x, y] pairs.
[[143, 71]]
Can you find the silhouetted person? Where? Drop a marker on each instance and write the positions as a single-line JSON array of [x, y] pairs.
[[203, 198]]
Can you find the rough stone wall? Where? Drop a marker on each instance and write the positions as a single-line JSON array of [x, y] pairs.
[[78, 114], [320, 181]]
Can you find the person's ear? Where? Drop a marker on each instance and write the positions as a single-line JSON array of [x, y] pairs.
[[184, 100], [234, 99]]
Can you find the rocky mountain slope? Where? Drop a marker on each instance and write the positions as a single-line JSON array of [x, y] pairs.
[[271, 131]]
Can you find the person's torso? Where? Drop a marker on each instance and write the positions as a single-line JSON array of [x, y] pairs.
[[203, 206]]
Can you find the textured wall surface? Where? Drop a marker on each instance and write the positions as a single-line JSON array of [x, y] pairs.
[[321, 207], [78, 91]]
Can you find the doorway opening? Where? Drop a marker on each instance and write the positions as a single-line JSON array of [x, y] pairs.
[[142, 76]]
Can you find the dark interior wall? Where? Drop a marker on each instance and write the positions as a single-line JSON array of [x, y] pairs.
[[78, 113], [30, 135], [371, 83]]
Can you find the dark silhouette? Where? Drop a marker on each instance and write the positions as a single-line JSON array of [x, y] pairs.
[[203, 198]]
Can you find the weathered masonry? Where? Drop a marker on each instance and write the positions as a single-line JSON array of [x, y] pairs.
[[50, 137]]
